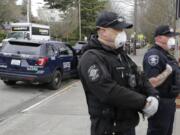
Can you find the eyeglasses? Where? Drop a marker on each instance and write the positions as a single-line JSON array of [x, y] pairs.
[[119, 19]]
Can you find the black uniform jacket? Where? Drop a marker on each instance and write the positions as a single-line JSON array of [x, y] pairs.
[[154, 63], [106, 75]]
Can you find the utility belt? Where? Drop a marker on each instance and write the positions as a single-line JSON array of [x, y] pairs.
[[118, 133], [105, 113], [113, 127], [167, 97], [109, 124], [174, 92], [175, 88], [105, 117], [171, 89]]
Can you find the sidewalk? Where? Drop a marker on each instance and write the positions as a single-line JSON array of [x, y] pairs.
[[138, 58], [64, 113]]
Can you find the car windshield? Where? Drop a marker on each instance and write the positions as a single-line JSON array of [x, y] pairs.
[[16, 35], [22, 48], [80, 44]]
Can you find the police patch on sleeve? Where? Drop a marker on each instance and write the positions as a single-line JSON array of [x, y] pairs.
[[94, 73], [153, 60]]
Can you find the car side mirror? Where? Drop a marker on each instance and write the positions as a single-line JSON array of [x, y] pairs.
[[27, 36]]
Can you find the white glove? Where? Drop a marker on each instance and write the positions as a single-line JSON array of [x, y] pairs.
[[169, 68], [151, 106]]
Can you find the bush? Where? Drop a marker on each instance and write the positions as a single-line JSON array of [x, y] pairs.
[[2, 35]]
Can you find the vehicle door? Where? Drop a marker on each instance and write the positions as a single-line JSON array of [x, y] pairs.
[[66, 58], [52, 56]]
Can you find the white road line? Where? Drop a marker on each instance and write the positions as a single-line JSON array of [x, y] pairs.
[[49, 98]]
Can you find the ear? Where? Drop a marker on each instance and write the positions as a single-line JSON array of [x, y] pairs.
[[101, 32], [158, 38]]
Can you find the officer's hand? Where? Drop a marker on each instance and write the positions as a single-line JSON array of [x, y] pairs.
[[169, 68], [154, 81], [151, 106]]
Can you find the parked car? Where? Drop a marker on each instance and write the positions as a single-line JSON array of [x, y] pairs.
[[138, 45], [46, 62], [78, 46]]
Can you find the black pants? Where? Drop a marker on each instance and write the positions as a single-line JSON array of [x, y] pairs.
[[162, 122]]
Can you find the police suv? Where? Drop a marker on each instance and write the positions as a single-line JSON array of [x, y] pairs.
[[46, 62]]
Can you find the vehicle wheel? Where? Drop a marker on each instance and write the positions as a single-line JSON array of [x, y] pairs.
[[56, 81], [9, 82]]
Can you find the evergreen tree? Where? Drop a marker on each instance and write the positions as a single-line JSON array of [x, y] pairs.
[[89, 11]]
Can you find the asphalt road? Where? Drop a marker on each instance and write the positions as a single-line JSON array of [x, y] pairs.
[[14, 99]]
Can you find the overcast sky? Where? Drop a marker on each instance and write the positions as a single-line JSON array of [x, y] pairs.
[[35, 4], [123, 7]]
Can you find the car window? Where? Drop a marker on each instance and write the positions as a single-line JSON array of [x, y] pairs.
[[50, 50], [70, 52], [55, 48], [22, 48], [62, 47], [64, 50], [17, 35]]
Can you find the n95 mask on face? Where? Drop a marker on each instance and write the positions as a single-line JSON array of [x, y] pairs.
[[120, 39], [171, 43]]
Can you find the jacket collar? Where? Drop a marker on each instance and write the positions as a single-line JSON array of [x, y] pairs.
[[165, 52], [94, 43], [161, 49]]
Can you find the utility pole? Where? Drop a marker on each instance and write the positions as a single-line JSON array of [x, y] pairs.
[[28, 10], [79, 18], [135, 27]]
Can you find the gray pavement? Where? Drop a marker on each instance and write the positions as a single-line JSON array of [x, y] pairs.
[[17, 97], [63, 113], [138, 58]]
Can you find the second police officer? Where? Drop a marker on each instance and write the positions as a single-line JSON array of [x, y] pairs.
[[115, 90], [163, 72]]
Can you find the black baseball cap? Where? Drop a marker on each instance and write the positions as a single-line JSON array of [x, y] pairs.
[[112, 20], [165, 30]]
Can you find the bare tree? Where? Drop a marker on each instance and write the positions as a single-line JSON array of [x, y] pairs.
[[9, 11], [152, 13], [66, 26], [123, 8]]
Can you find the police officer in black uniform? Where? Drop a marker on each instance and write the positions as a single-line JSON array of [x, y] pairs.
[[163, 72], [115, 90]]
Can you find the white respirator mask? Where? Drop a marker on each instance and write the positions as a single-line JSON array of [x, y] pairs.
[[120, 39], [171, 43]]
